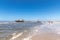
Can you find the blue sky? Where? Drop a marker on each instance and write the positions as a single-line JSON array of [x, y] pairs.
[[29, 9]]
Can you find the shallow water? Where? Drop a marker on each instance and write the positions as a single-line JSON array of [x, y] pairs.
[[29, 31], [12, 30]]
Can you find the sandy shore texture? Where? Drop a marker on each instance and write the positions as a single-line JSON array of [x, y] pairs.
[[46, 36]]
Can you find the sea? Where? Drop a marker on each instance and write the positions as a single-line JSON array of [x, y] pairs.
[[9, 30], [27, 30]]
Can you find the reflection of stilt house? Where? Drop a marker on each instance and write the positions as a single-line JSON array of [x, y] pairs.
[[21, 20]]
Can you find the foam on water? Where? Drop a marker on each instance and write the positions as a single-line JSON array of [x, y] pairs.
[[16, 36], [28, 30], [49, 28]]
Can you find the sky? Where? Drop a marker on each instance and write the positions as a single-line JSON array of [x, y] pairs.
[[29, 10]]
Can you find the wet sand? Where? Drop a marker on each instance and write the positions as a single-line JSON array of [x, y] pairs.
[[30, 31], [46, 36]]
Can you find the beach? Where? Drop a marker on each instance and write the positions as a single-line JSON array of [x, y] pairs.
[[53, 34], [47, 36], [30, 31]]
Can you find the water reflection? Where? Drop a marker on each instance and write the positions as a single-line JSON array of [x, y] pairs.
[[29, 30]]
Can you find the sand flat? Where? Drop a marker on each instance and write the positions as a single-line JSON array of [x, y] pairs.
[[47, 36]]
